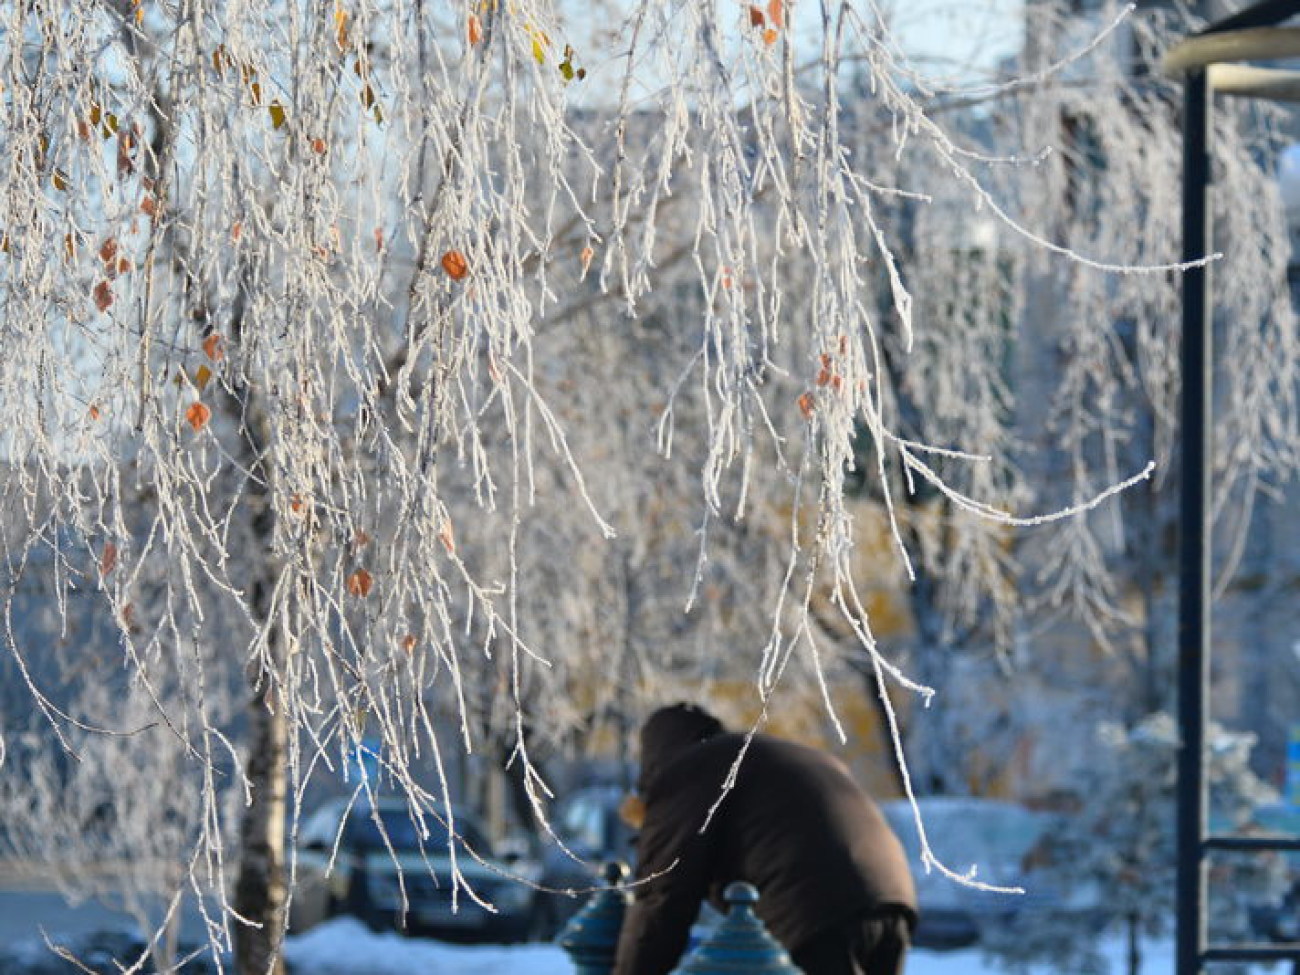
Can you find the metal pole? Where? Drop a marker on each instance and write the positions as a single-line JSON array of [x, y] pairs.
[[1194, 542]]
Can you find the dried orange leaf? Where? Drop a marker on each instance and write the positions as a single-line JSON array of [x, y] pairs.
[[585, 257], [474, 29], [296, 504], [770, 36], [806, 405], [454, 263], [94, 412], [108, 251], [776, 12], [197, 416], [212, 347], [360, 583], [318, 146], [447, 538], [236, 230], [379, 238], [408, 643], [103, 295], [149, 206]]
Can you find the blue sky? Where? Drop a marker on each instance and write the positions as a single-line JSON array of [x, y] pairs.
[[956, 38]]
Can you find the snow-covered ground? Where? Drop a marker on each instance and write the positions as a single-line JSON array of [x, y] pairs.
[[346, 947]]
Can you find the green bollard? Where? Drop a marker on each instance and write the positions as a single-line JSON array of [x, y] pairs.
[[740, 945], [591, 936]]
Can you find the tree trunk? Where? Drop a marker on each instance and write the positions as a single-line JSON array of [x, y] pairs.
[[260, 890]]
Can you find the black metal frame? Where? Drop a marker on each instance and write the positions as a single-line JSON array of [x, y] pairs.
[[1193, 842]]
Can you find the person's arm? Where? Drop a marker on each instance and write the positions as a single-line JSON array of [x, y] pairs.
[[673, 870]]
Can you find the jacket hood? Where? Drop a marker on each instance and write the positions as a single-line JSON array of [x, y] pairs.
[[667, 733]]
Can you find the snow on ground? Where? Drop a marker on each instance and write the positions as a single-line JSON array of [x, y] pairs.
[[346, 947]]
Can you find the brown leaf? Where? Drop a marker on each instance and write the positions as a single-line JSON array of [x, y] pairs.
[[454, 263], [756, 18], [108, 251], [149, 206], [198, 415], [360, 539], [103, 296], [360, 583], [236, 230], [408, 643], [202, 377], [94, 411], [107, 559], [379, 238]]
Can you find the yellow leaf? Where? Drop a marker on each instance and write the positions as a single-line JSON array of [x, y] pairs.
[[60, 180], [538, 51], [341, 26], [202, 377], [277, 115]]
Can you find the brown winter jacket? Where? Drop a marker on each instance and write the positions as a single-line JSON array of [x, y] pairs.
[[796, 826]]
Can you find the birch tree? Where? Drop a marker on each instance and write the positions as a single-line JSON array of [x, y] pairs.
[[406, 357]]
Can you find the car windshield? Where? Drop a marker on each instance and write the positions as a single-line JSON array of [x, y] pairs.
[[404, 835], [961, 832]]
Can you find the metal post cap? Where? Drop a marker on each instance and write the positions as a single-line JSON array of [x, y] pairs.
[[740, 945], [591, 936]]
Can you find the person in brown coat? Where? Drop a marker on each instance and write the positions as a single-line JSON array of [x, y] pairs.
[[833, 880]]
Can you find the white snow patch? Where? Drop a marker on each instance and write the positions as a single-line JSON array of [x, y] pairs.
[[345, 946]]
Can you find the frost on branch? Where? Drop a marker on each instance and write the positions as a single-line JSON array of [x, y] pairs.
[[464, 377]]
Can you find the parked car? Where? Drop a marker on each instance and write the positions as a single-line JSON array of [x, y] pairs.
[[588, 825], [1279, 920], [995, 837], [366, 875]]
